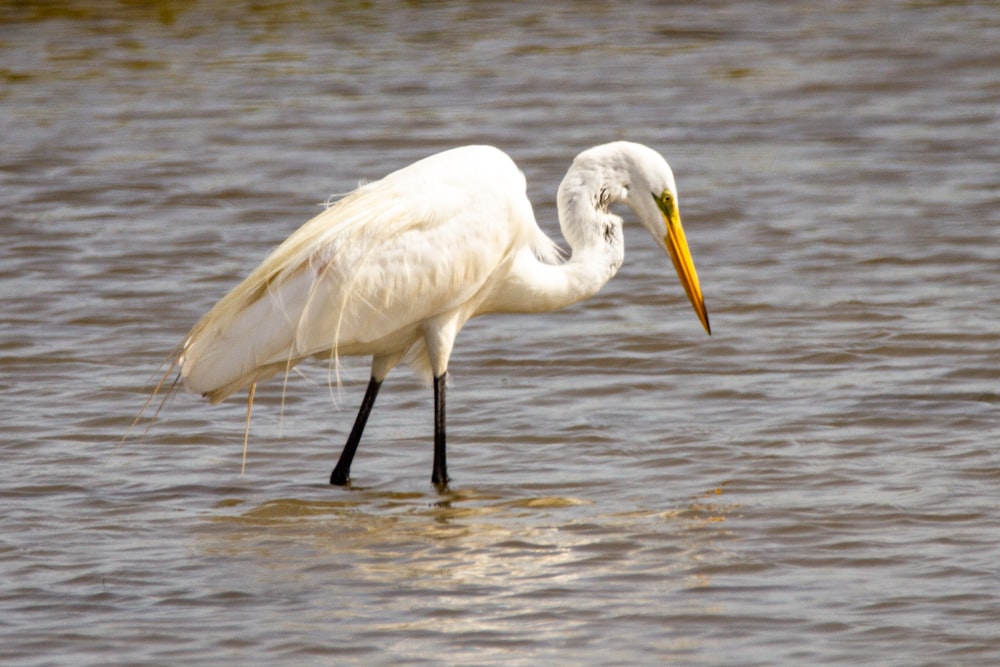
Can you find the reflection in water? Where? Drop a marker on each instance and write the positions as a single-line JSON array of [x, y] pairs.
[[478, 568], [468, 538]]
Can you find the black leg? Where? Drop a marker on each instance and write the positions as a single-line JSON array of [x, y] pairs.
[[342, 473], [440, 475]]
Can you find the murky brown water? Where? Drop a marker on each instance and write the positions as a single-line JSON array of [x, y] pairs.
[[817, 483]]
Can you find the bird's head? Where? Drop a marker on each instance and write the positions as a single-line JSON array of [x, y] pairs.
[[650, 191]]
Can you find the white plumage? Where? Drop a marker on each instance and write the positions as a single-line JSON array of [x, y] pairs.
[[396, 268], [363, 276]]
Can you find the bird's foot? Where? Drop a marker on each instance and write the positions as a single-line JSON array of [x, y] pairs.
[[441, 483]]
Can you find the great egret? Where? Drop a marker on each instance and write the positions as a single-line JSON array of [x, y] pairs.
[[397, 267]]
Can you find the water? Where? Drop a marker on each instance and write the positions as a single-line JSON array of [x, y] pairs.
[[817, 483]]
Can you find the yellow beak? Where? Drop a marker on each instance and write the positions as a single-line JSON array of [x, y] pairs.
[[677, 246]]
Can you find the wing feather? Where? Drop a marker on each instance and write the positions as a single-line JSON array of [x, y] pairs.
[[361, 277]]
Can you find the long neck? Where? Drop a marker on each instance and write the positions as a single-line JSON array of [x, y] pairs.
[[593, 234]]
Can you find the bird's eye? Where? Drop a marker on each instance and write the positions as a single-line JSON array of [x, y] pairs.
[[665, 202]]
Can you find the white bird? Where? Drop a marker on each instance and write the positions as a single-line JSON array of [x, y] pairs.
[[397, 267]]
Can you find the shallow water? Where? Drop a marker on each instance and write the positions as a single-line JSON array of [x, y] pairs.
[[817, 483]]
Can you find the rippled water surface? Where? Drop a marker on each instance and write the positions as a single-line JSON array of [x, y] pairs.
[[816, 483]]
